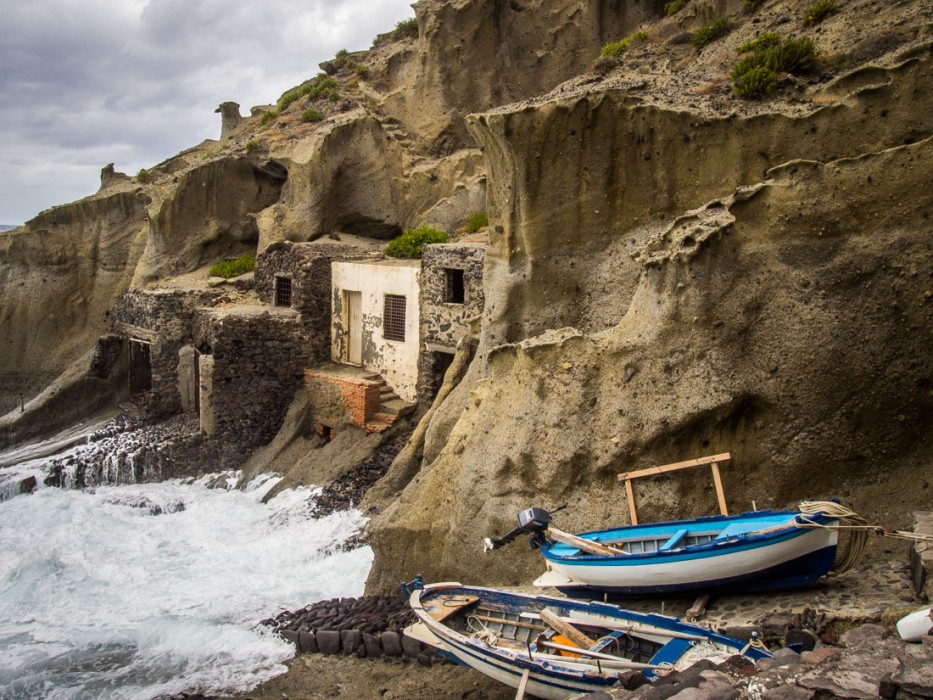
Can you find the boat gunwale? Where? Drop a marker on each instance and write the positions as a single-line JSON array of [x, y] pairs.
[[739, 542], [613, 612]]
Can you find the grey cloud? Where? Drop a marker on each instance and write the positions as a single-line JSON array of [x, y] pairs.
[[134, 81]]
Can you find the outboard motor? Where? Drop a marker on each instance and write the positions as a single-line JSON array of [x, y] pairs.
[[533, 521]]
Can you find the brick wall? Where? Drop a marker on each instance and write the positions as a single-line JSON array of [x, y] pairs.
[[339, 400]]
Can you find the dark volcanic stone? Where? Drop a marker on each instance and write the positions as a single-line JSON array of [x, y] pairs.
[[373, 648], [307, 644], [864, 635], [411, 646], [739, 665], [391, 643], [631, 680], [424, 660], [328, 641], [351, 641], [290, 635]]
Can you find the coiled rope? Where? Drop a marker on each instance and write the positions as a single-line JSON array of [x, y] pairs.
[[854, 524]]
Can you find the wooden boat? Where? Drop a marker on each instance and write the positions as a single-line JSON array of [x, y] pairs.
[[558, 647], [755, 551]]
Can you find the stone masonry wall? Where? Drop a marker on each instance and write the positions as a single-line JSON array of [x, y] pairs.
[[309, 267], [259, 356], [443, 323], [163, 317]]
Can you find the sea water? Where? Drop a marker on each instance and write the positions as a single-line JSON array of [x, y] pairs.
[[157, 589]]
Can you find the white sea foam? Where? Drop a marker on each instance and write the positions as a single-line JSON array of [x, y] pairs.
[[101, 599]]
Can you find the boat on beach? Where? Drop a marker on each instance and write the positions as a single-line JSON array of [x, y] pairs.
[[754, 551], [557, 647]]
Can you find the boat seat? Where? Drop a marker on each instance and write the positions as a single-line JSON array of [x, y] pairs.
[[674, 540]]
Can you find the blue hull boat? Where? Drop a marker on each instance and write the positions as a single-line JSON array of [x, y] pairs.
[[756, 551], [558, 647]]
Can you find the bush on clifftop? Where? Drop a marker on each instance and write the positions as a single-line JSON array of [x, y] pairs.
[[409, 244], [233, 267]]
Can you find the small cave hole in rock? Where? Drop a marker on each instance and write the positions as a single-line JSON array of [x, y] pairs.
[[325, 431], [689, 242]]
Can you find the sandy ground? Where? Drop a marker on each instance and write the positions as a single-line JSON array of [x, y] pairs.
[[318, 676]]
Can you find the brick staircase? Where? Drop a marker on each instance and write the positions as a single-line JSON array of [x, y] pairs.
[[391, 407]]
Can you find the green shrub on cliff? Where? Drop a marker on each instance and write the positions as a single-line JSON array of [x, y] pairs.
[[233, 267], [755, 82], [817, 11], [617, 48], [144, 176], [755, 75], [709, 32], [409, 244], [407, 28], [476, 221], [311, 115], [672, 8]]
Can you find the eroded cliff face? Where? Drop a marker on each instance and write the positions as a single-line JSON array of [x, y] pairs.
[[60, 275], [669, 282], [476, 55], [209, 213]]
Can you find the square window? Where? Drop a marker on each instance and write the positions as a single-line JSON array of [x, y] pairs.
[[454, 292], [283, 291], [393, 317]]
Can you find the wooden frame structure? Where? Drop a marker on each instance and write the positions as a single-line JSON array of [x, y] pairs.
[[713, 461]]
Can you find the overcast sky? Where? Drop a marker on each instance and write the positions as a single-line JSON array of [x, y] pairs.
[[84, 83]]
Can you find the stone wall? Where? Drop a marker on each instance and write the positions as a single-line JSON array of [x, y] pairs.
[[308, 266], [258, 358], [165, 319], [444, 321]]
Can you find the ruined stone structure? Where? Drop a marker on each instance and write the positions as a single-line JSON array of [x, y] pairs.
[[298, 276], [156, 324], [451, 299], [251, 364]]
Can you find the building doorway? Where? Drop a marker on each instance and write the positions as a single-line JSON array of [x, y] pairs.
[[140, 366], [353, 305]]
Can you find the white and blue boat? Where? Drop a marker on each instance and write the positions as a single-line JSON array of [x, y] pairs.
[[558, 647], [756, 551]]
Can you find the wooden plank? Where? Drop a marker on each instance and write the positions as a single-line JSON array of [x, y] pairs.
[[698, 609], [637, 628], [616, 660], [720, 494], [724, 457], [566, 628], [630, 492], [583, 544], [516, 623], [443, 606], [523, 684]]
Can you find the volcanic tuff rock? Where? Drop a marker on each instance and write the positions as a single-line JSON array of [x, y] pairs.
[[660, 286], [672, 271]]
